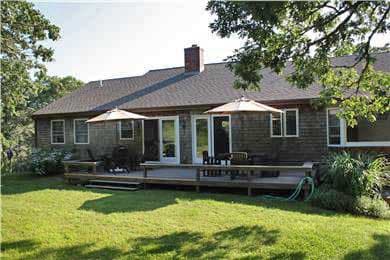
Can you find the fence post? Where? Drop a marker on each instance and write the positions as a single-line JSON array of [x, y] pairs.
[[249, 183], [197, 179], [145, 172]]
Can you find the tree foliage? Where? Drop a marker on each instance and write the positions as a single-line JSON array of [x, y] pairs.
[[308, 35], [25, 86]]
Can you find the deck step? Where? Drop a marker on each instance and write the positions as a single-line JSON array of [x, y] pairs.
[[110, 187], [116, 182]]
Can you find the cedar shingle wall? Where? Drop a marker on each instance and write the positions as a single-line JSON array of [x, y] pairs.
[[103, 137], [250, 132]]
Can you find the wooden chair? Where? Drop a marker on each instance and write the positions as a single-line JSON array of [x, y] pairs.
[[238, 158]]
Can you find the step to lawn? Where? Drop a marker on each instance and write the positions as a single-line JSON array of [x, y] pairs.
[[110, 187], [115, 182]]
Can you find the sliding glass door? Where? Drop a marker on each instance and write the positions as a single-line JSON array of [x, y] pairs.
[[169, 140], [201, 137]]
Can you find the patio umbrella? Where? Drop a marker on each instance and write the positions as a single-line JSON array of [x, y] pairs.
[[242, 105], [115, 114]]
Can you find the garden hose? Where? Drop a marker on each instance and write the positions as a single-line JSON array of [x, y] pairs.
[[296, 192]]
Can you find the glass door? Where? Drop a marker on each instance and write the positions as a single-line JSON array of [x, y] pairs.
[[200, 138], [221, 134], [169, 140]]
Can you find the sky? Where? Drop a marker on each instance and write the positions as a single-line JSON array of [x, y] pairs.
[[110, 40]]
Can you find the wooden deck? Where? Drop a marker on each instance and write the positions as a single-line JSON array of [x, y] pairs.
[[192, 175]]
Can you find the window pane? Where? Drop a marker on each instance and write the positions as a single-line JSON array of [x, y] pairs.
[[202, 135], [366, 131], [168, 138], [291, 122], [127, 129], [333, 127], [276, 124], [81, 131], [57, 132]]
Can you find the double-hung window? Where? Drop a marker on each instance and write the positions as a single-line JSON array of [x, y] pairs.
[[126, 129], [57, 131], [285, 124], [81, 131]]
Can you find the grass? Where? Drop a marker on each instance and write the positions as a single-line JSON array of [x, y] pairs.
[[43, 218]]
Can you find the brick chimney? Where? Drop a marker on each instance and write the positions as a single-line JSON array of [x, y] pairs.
[[193, 59]]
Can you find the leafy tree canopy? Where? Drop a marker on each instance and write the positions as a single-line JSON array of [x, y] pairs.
[[25, 86], [309, 34]]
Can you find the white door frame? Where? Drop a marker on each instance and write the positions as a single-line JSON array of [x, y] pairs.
[[175, 160], [195, 159]]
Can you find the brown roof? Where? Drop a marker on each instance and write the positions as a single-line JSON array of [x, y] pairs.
[[173, 88]]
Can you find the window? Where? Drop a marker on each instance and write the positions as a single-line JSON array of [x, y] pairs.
[[81, 130], [365, 131], [126, 129], [285, 124], [276, 124], [363, 134], [290, 117], [57, 130], [334, 136]]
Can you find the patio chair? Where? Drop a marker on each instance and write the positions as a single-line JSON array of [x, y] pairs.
[[238, 158], [121, 158], [209, 160]]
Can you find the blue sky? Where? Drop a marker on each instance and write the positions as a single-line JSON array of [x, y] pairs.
[[110, 40], [103, 39]]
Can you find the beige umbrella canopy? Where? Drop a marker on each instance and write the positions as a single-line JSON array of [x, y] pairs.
[[115, 114], [242, 105]]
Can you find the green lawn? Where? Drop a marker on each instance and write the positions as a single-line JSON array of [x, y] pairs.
[[43, 218]]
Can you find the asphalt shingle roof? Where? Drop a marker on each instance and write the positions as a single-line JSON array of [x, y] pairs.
[[173, 88]]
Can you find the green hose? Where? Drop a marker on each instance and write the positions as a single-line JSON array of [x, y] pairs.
[[296, 192]]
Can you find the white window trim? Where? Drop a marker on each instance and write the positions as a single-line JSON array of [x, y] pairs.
[[283, 123], [120, 131], [343, 136], [296, 122], [51, 130], [74, 129]]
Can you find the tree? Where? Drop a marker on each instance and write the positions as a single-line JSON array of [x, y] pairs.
[[25, 86], [23, 29], [309, 34]]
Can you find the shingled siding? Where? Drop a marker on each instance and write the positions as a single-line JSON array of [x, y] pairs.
[[103, 137], [251, 132]]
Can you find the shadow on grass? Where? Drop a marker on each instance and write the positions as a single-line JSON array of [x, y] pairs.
[[381, 249], [144, 200], [243, 241]]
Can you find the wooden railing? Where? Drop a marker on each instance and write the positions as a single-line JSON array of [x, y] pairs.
[[307, 168]]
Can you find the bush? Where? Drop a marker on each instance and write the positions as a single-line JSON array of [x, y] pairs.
[[357, 175], [48, 161], [339, 201], [332, 199], [371, 207]]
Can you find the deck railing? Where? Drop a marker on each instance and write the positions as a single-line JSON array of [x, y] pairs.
[[307, 168]]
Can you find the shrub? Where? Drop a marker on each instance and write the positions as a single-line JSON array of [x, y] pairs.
[[371, 207], [332, 199], [357, 175], [339, 201], [48, 161]]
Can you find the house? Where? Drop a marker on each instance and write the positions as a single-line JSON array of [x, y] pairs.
[[178, 130]]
